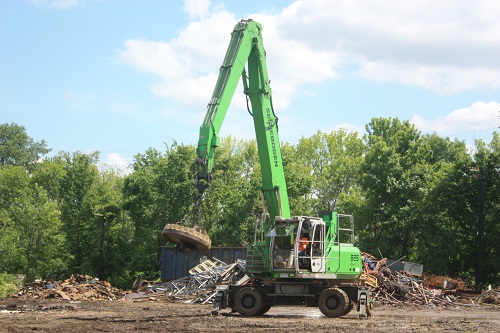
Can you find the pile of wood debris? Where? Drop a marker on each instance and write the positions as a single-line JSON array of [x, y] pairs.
[[76, 288], [490, 296], [402, 288], [399, 288]]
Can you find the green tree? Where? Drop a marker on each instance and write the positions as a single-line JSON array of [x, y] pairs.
[[492, 216], [110, 225], [31, 241], [486, 176], [13, 184], [393, 174], [50, 175], [459, 218], [334, 159], [232, 205], [159, 191], [299, 181], [78, 209], [17, 148], [443, 233]]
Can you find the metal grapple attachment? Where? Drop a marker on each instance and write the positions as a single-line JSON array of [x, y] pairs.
[[187, 239]]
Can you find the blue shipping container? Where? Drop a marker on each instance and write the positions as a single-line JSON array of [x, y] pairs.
[[176, 265]]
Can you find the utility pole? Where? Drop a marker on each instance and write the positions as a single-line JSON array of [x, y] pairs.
[[100, 267], [480, 226], [479, 175], [484, 176]]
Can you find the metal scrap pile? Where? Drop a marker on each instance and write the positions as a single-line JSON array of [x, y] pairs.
[[391, 287], [77, 287], [199, 286]]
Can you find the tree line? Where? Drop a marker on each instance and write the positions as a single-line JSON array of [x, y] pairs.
[[423, 197]]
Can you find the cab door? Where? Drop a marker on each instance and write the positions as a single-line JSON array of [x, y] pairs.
[[317, 250]]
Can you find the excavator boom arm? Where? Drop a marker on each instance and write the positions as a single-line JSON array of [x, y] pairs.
[[246, 48]]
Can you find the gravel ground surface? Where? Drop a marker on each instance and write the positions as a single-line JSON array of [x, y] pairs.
[[148, 316]]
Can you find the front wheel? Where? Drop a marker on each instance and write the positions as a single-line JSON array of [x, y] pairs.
[[249, 302], [333, 302]]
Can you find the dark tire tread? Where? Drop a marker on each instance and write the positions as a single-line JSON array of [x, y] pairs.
[[333, 302]]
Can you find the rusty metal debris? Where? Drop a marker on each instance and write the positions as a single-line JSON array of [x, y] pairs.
[[200, 285]]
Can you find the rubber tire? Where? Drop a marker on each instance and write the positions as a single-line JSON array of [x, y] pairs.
[[264, 310], [193, 236], [249, 302], [333, 302], [350, 306]]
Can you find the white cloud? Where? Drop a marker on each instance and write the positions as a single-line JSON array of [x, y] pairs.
[[197, 9], [447, 46], [350, 128], [478, 117], [117, 163], [442, 79], [155, 57], [189, 63]]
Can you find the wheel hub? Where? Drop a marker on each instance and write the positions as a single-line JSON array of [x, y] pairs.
[[332, 303], [248, 302]]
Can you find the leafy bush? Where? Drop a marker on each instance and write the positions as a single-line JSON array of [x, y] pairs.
[[9, 284]]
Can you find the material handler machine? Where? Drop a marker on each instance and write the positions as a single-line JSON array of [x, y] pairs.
[[294, 260]]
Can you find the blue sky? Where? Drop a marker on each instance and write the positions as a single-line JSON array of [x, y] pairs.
[[120, 76]]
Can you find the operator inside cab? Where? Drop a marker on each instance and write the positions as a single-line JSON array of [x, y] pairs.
[[303, 249], [303, 244]]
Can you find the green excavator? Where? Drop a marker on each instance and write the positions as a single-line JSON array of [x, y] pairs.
[[294, 260]]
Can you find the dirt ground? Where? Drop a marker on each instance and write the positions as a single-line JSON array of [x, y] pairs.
[[154, 316]]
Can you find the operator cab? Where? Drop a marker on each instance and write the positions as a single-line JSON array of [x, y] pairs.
[[298, 244]]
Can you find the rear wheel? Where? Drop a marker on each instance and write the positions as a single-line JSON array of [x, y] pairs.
[[249, 302], [333, 302]]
